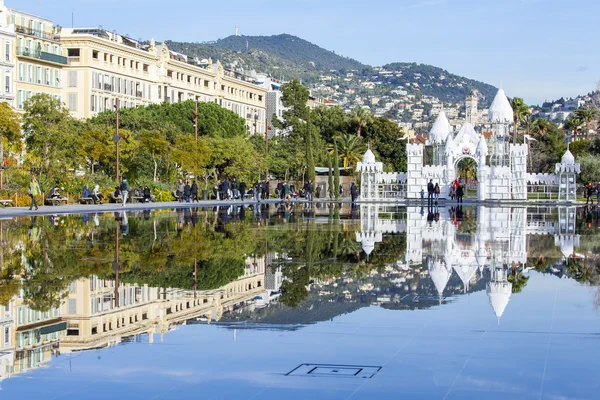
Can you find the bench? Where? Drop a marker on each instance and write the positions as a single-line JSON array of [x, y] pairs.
[[52, 201], [114, 199], [86, 200], [5, 202]]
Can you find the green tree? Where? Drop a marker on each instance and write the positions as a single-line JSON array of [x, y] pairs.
[[360, 117], [590, 168], [336, 173], [388, 142], [520, 110], [539, 127], [330, 189], [329, 121], [48, 134], [587, 115], [350, 149], [573, 124], [10, 132]]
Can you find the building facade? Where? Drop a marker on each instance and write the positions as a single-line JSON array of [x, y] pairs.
[[103, 66], [37, 55], [7, 58]]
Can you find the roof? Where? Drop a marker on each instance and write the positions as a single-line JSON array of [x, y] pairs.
[[368, 157], [500, 111], [568, 158], [440, 129]]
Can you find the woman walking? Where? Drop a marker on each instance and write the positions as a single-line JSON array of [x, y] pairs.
[[34, 190], [436, 192]]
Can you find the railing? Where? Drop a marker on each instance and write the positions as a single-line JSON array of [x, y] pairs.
[[37, 33], [42, 55], [138, 94], [108, 86], [73, 59]]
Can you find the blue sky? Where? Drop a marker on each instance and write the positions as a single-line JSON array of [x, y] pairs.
[[536, 49]]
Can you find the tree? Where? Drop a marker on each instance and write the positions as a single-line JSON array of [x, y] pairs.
[[360, 117], [350, 149], [330, 181], [156, 145], [336, 173], [539, 127], [573, 124], [329, 121], [587, 115], [520, 110], [10, 132], [590, 168], [388, 142], [47, 130]]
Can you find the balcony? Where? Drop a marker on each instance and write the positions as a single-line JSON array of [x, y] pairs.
[[42, 55], [108, 86], [37, 33], [138, 94]]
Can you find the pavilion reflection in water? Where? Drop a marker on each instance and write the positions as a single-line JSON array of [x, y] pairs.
[[497, 242]]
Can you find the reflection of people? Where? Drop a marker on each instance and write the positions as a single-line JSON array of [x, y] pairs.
[[430, 190], [436, 192], [460, 192], [34, 231], [124, 224]]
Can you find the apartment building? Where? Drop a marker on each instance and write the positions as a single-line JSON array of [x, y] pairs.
[[7, 59], [37, 55], [103, 66]]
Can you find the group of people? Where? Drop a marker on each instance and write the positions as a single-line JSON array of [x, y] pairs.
[[187, 192], [457, 191]]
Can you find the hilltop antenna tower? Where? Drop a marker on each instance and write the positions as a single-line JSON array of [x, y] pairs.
[[237, 30]]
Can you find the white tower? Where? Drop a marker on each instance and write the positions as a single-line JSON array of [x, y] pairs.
[[437, 137], [500, 115], [471, 113], [567, 172], [369, 168], [237, 30], [499, 290]]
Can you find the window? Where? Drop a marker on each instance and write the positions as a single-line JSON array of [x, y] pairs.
[[38, 71], [7, 48], [72, 78], [72, 304], [7, 81], [6, 336], [20, 100], [21, 71], [73, 287], [92, 103], [145, 67], [48, 76], [72, 103], [57, 77], [95, 54], [30, 73]]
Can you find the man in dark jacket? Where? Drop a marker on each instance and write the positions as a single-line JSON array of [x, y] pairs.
[[187, 191], [234, 188], [265, 189], [280, 189], [430, 191], [242, 189], [194, 191], [460, 192], [354, 192], [309, 188], [225, 189]]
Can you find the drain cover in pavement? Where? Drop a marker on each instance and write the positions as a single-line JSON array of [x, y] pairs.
[[329, 370]]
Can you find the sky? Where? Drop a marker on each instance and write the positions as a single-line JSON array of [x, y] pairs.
[[535, 49]]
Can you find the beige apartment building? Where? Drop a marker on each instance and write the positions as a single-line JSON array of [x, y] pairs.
[[37, 55], [103, 66]]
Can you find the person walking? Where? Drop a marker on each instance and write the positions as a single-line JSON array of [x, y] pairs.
[[589, 193], [430, 191], [194, 191], [354, 192], [436, 192], [242, 190], [460, 192], [257, 189], [308, 189], [124, 188], [34, 190], [225, 189], [180, 189], [265, 189], [187, 191], [286, 192], [234, 188]]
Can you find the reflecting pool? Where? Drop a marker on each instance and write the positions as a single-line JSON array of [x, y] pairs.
[[297, 302]]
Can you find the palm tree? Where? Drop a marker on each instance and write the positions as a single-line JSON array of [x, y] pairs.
[[587, 114], [467, 168], [573, 124], [361, 117], [539, 127], [520, 110], [350, 149]]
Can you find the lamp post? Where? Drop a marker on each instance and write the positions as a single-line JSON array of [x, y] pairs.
[[267, 128], [116, 265], [117, 139], [195, 115]]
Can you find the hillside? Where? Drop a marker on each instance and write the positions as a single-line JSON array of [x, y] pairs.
[[292, 48], [437, 82]]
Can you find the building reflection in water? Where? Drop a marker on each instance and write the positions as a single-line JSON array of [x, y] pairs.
[[480, 246]]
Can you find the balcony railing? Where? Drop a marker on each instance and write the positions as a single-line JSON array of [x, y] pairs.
[[37, 33], [42, 55], [107, 86], [138, 94]]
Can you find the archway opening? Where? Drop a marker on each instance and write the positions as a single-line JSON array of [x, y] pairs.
[[466, 171]]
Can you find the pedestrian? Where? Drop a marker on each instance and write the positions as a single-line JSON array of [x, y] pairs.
[[589, 193], [147, 195], [187, 191], [598, 193], [34, 190], [460, 192], [354, 192], [318, 192], [180, 189], [265, 189], [279, 190], [86, 192], [225, 189], [430, 191], [124, 188], [308, 189], [257, 189], [436, 192], [194, 191], [216, 190], [286, 192], [341, 190], [242, 190], [234, 188]]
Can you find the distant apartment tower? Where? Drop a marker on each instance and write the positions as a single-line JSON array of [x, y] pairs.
[[37, 55], [471, 113], [275, 110]]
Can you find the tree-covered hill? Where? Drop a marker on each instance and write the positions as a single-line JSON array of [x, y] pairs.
[[291, 48], [435, 81]]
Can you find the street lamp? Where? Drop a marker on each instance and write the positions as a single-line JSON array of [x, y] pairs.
[[116, 137]]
